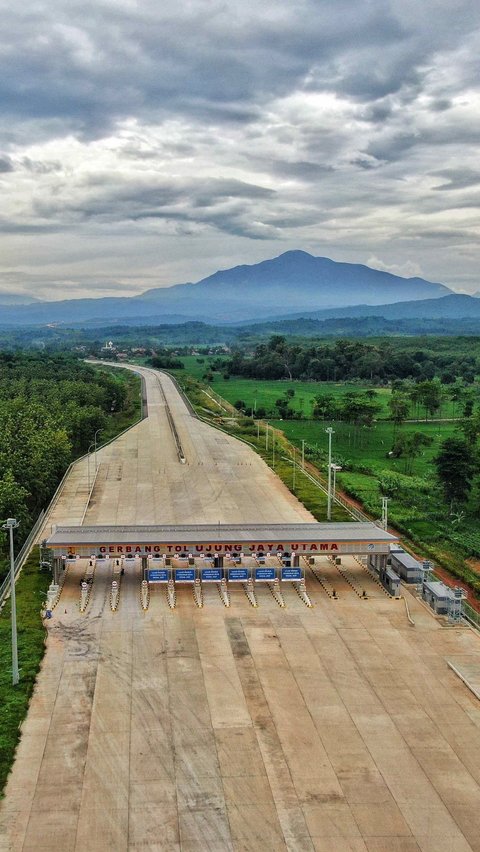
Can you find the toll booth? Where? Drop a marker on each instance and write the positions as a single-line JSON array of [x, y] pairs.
[[406, 566], [391, 581], [235, 571], [218, 553], [438, 596]]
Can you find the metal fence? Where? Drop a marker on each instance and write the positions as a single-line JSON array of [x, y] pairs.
[[355, 513], [471, 615]]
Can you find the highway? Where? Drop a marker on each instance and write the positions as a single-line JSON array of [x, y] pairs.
[[334, 728]]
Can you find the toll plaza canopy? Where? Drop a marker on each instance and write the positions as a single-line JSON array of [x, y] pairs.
[[220, 538]]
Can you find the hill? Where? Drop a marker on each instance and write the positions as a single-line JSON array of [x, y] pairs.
[[453, 306]]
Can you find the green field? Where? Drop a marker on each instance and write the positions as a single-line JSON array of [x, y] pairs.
[[256, 393], [367, 446], [264, 394]]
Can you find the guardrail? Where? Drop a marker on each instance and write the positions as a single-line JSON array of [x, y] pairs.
[[21, 556]]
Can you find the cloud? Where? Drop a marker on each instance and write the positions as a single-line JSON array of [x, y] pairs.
[[405, 270], [5, 164], [458, 179], [150, 143]]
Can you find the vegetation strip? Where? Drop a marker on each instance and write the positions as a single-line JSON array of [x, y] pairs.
[[31, 591]]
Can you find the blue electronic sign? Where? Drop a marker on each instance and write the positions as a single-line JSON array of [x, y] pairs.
[[211, 575], [185, 575], [292, 574], [238, 575], [265, 573], [158, 575]]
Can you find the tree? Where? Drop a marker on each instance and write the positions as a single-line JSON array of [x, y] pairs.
[[430, 396], [456, 464], [408, 446], [471, 427], [399, 406], [324, 406], [457, 394]]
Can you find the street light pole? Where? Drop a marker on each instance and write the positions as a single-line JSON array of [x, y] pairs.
[[385, 512], [11, 524], [303, 454], [335, 468], [329, 432], [88, 466], [95, 441]]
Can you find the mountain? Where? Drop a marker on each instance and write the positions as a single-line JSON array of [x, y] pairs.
[[17, 299], [294, 281]]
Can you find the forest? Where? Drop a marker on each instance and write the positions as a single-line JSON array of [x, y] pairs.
[[50, 408], [377, 362]]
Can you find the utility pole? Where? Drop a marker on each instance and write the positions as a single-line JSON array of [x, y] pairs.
[[273, 448], [95, 442], [335, 468], [88, 466], [385, 512], [11, 524], [294, 467], [329, 432], [266, 437], [303, 454]]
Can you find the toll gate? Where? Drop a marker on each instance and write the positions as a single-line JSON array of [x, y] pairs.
[[226, 555]]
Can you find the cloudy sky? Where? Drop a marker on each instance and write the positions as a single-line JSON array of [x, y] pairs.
[[151, 143]]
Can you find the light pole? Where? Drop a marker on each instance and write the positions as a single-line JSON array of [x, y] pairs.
[[329, 432], [335, 468], [294, 466], [385, 512], [95, 442], [88, 465], [303, 454], [11, 524]]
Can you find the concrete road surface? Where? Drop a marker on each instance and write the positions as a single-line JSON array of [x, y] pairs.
[[334, 728]]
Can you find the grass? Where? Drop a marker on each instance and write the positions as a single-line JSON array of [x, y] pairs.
[[14, 700], [367, 446], [264, 393]]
